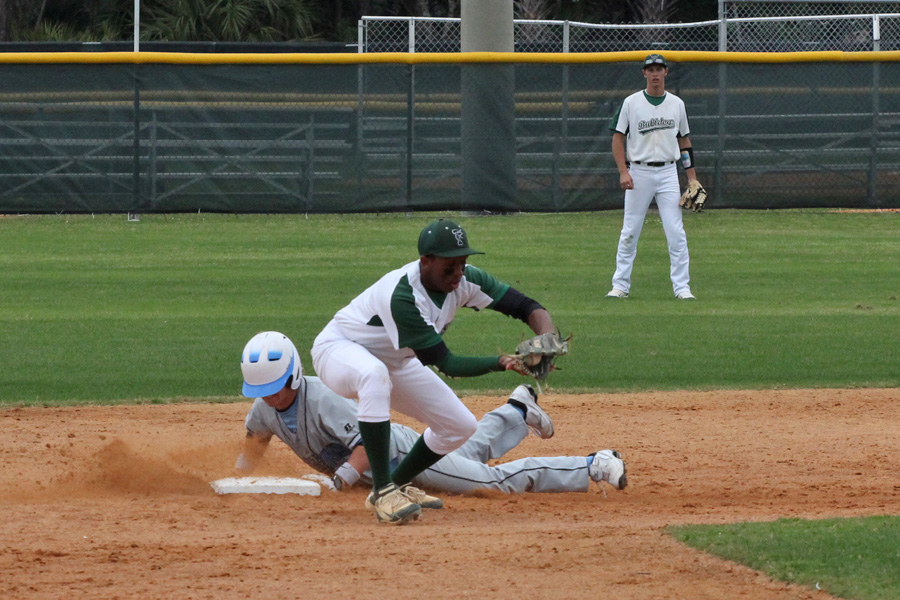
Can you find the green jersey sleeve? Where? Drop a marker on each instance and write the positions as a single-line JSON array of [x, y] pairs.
[[487, 282], [468, 366]]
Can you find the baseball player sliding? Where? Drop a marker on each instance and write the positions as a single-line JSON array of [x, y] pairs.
[[650, 134], [321, 428], [379, 349]]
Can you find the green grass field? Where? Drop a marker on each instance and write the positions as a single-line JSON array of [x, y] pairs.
[[848, 558], [97, 309], [101, 310]]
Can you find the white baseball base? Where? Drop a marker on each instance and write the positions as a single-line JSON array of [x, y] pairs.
[[266, 485]]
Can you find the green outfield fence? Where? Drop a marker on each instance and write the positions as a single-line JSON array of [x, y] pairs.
[[232, 132]]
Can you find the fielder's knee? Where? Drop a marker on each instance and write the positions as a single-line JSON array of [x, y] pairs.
[[471, 424], [450, 436], [374, 393]]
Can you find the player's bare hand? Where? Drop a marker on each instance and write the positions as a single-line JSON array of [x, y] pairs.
[[626, 182], [511, 363]]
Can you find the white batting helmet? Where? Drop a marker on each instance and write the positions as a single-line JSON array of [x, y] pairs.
[[268, 361]]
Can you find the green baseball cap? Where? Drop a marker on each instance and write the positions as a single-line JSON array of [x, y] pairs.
[[446, 239], [655, 59]]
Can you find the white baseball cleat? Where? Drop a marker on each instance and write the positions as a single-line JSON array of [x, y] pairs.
[[536, 418], [616, 293], [685, 296], [390, 505], [419, 497], [608, 466]]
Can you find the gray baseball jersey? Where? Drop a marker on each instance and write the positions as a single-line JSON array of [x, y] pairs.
[[327, 432]]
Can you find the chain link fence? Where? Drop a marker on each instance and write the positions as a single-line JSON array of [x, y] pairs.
[[379, 136], [746, 26], [757, 9], [746, 132], [335, 136], [412, 34]]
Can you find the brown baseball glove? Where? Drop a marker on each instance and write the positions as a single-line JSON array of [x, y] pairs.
[[536, 356], [694, 196]]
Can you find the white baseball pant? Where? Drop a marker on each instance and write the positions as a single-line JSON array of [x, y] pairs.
[[409, 387], [660, 183]]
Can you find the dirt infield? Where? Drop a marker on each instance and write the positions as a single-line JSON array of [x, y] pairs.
[[114, 502]]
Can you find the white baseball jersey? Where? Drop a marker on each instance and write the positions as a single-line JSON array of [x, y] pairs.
[[327, 431], [379, 331], [397, 313], [652, 129]]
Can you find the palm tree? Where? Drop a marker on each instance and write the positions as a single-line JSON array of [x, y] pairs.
[[228, 20], [4, 32], [653, 11]]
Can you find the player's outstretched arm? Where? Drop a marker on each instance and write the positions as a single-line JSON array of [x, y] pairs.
[[541, 322], [452, 365], [510, 363], [517, 305], [348, 473]]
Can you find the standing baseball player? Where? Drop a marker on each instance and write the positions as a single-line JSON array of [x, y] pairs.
[[321, 428], [650, 134], [379, 349]]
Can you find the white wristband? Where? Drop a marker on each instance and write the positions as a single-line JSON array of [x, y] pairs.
[[347, 474], [687, 157]]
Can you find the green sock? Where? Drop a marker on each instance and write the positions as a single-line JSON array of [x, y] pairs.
[[376, 438], [419, 458]]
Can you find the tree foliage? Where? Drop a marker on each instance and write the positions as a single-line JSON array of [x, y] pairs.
[[289, 20], [228, 20]]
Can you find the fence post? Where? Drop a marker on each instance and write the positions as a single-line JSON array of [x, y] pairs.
[[151, 163], [719, 176], [311, 163], [723, 28], [554, 176], [565, 103], [488, 108], [876, 32], [410, 116], [410, 133], [872, 180], [565, 108], [134, 215], [137, 25]]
